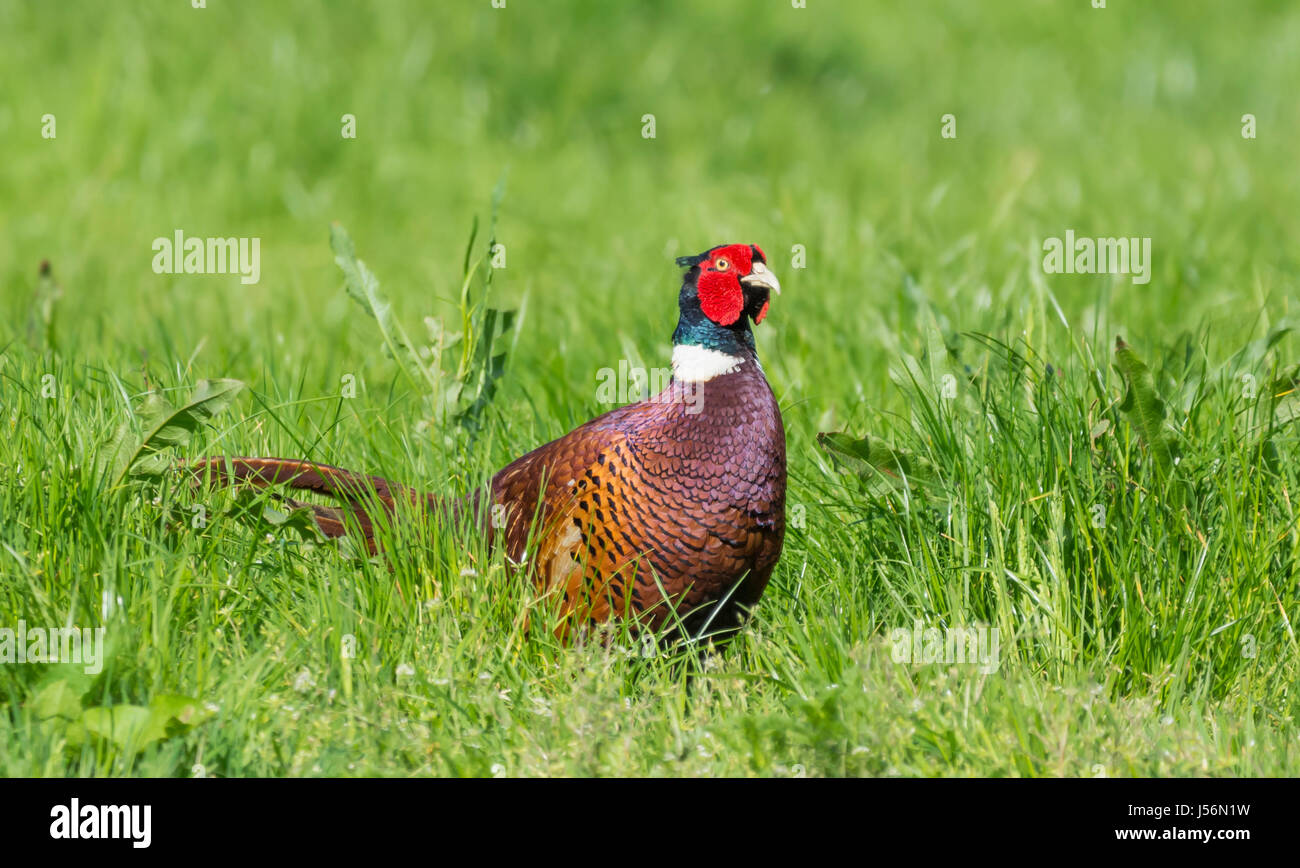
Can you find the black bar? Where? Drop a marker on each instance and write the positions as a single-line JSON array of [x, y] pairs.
[[215, 817]]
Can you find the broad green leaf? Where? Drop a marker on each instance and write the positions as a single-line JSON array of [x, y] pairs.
[[127, 726], [1144, 409], [1284, 393], [877, 464], [299, 519], [169, 709], [59, 698], [133, 727], [166, 426], [1248, 357]]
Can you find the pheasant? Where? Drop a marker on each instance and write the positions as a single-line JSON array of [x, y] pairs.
[[669, 508]]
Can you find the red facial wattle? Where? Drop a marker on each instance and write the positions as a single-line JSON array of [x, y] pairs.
[[721, 297]]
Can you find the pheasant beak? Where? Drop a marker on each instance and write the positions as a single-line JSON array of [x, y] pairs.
[[761, 275]]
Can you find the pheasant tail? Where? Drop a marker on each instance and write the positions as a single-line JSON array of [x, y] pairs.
[[361, 496]]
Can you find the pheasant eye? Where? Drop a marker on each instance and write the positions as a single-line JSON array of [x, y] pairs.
[[721, 264]]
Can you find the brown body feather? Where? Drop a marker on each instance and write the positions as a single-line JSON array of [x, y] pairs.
[[670, 508], [654, 508], [675, 504]]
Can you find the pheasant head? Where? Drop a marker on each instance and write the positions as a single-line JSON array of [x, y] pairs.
[[724, 290]]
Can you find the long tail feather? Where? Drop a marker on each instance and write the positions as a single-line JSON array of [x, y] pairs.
[[302, 475], [356, 489]]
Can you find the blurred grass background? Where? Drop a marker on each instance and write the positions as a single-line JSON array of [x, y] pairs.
[[816, 126], [775, 125]]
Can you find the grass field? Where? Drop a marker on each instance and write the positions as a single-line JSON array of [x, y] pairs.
[[1138, 572]]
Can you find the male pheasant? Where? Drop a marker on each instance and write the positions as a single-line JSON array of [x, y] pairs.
[[672, 507]]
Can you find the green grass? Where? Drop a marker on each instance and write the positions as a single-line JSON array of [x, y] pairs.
[[1161, 643]]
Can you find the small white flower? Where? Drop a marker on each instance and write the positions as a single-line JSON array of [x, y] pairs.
[[405, 670]]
